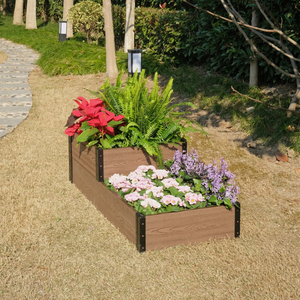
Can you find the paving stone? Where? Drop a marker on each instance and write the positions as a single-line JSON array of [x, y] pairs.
[[11, 121], [18, 85], [15, 94], [4, 110], [14, 81], [22, 100]]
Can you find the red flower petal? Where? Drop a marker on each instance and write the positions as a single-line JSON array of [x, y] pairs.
[[96, 103], [70, 131], [110, 130], [76, 113], [118, 118]]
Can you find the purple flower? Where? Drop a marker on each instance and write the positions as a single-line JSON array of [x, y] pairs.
[[217, 180]]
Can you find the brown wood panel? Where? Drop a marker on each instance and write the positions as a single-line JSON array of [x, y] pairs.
[[115, 209], [169, 150], [125, 160], [117, 160], [188, 227], [86, 157]]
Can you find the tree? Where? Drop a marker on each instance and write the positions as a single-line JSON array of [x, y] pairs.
[[18, 13], [67, 5], [129, 25], [253, 78], [111, 64], [31, 15], [266, 35], [3, 7]]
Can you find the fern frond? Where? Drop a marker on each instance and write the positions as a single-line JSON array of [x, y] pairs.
[[148, 147], [113, 102], [169, 131], [119, 82], [151, 130]]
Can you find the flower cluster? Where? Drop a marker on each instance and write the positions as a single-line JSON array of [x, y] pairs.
[[96, 116], [212, 180], [151, 190], [188, 184]]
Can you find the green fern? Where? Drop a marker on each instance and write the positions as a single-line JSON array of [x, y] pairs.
[[151, 118]]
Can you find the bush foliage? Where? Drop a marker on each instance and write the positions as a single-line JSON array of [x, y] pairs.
[[87, 17], [196, 37]]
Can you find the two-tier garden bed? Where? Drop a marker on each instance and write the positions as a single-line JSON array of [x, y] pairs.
[[89, 167]]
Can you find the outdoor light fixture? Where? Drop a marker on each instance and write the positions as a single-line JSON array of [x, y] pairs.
[[134, 61], [62, 31]]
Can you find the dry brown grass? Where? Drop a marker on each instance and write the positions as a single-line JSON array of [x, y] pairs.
[[3, 57], [55, 245]]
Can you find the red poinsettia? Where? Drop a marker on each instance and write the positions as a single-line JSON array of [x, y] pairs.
[[95, 114]]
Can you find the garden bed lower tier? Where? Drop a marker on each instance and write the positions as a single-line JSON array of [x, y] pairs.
[[153, 231]]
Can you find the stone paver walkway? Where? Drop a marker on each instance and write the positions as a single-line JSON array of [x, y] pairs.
[[15, 94]]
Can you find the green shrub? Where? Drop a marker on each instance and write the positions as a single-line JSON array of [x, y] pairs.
[[87, 17], [119, 16], [150, 120]]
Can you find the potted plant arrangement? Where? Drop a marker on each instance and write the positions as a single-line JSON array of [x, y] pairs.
[[122, 140]]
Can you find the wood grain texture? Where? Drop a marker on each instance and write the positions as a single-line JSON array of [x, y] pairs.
[[117, 160], [125, 160], [188, 227], [115, 209], [85, 156]]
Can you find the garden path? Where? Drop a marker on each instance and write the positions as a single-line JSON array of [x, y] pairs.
[[15, 94]]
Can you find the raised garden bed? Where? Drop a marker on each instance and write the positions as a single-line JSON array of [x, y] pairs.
[[90, 166]]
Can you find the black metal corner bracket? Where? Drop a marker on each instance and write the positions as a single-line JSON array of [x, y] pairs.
[[70, 159], [140, 232], [99, 165], [184, 145], [237, 220]]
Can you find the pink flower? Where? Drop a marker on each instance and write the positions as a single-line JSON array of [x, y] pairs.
[[181, 203], [153, 203], [183, 188], [193, 198], [169, 199], [168, 182], [142, 185], [156, 190], [133, 197], [160, 174], [116, 178], [145, 168]]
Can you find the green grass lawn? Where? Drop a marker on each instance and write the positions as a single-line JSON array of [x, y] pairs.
[[212, 93]]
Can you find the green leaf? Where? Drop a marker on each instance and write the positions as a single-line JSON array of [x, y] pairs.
[[213, 199], [173, 191], [113, 123], [92, 143], [175, 208], [197, 181], [85, 135], [227, 203], [182, 174], [85, 126], [222, 189], [179, 180], [105, 143]]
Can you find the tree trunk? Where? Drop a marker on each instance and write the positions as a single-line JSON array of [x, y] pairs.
[[295, 101], [18, 13], [129, 25], [111, 64], [31, 15], [4, 7], [67, 5], [253, 80]]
